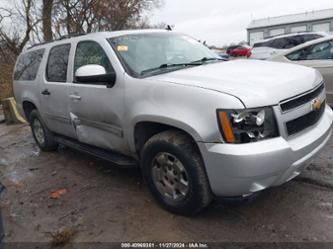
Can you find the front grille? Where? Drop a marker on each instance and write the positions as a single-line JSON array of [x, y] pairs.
[[296, 102], [305, 121]]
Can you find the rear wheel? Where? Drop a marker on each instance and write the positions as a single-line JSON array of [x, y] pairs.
[[174, 171], [42, 135]]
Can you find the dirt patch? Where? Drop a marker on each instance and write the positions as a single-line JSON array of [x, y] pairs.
[[104, 203]]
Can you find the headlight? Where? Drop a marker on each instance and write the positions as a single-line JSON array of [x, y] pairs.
[[245, 126]]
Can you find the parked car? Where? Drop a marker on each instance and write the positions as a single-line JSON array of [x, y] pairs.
[[317, 54], [239, 51], [160, 99], [279, 44]]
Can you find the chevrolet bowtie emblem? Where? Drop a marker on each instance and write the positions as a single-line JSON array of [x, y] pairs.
[[316, 104]]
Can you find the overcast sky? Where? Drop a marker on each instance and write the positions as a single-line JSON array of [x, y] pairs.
[[222, 22]]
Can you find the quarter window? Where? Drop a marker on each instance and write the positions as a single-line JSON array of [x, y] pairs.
[[90, 52], [28, 65], [56, 70]]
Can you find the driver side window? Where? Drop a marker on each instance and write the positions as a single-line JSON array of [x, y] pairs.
[[90, 52]]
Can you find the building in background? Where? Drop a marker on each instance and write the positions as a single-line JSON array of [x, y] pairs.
[[260, 29]]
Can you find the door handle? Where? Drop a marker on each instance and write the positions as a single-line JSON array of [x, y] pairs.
[[75, 97], [46, 92]]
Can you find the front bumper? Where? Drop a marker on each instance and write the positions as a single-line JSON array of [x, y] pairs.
[[242, 169]]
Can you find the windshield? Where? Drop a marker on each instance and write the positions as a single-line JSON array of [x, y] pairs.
[[155, 53]]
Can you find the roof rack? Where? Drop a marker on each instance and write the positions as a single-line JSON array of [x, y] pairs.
[[59, 39]]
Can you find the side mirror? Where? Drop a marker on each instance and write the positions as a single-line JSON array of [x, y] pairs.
[[95, 74]]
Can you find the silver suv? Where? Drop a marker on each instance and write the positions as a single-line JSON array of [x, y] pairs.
[[198, 126]]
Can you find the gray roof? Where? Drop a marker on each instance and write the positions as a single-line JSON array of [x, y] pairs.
[[295, 18]]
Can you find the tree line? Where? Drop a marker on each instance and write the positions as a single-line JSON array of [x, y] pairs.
[[27, 22], [34, 21]]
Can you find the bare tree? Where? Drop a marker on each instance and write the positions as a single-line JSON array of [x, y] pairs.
[[16, 26], [124, 14], [47, 19], [85, 16], [23, 20]]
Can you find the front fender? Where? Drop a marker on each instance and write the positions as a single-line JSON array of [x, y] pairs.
[[187, 108]]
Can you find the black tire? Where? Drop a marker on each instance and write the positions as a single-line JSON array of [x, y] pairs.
[[185, 150], [48, 144]]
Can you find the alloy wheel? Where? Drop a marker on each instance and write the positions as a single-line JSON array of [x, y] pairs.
[[170, 176]]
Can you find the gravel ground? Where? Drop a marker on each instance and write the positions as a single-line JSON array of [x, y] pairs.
[[103, 203]]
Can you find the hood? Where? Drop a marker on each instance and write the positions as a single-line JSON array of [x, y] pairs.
[[255, 83]]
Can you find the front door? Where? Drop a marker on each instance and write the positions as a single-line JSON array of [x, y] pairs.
[[95, 110], [54, 92]]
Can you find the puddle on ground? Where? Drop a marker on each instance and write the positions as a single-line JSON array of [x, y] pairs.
[[3, 162], [17, 176], [11, 163]]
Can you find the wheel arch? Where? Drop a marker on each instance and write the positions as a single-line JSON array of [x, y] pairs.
[[144, 129], [28, 107]]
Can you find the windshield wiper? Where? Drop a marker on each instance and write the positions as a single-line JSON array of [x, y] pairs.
[[205, 59], [185, 64], [165, 66]]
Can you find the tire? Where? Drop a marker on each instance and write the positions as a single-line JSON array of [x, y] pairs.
[[179, 150], [42, 135]]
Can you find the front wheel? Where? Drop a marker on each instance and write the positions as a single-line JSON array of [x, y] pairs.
[[175, 174]]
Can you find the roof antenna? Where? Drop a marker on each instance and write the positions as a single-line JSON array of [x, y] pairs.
[[168, 28]]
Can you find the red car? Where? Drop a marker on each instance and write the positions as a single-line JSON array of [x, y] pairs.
[[239, 51]]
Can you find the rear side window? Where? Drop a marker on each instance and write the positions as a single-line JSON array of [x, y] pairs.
[[56, 70], [28, 64]]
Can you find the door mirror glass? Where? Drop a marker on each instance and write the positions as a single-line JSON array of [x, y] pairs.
[[95, 74]]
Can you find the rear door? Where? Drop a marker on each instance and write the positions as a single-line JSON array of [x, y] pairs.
[[96, 110], [320, 57], [54, 91]]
